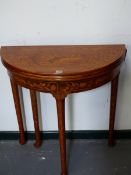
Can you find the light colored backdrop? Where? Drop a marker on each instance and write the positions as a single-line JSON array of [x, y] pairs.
[[40, 22]]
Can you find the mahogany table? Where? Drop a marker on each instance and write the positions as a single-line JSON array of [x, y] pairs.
[[61, 70]]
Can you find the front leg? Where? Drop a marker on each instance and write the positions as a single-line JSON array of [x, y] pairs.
[[114, 87], [35, 117], [62, 140], [18, 110]]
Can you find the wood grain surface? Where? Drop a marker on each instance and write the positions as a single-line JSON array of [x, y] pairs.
[[61, 60]]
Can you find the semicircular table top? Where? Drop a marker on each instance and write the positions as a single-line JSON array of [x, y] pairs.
[[62, 70], [61, 60]]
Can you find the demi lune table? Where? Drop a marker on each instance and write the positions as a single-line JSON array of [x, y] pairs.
[[61, 70]]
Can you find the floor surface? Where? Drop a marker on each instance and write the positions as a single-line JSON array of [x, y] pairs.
[[85, 157]]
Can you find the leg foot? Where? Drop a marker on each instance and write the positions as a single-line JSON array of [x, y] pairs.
[[37, 144], [64, 174], [21, 140]]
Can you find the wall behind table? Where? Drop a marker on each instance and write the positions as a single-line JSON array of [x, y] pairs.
[[40, 22]]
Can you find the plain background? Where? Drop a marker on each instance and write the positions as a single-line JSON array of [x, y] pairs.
[[45, 22]]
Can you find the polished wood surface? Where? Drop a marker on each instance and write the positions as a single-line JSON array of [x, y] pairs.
[[62, 60], [61, 70]]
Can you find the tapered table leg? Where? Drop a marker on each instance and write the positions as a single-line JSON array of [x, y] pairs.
[[114, 87], [18, 110], [35, 117], [62, 140]]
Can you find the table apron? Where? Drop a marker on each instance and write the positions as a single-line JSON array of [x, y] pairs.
[[63, 88]]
